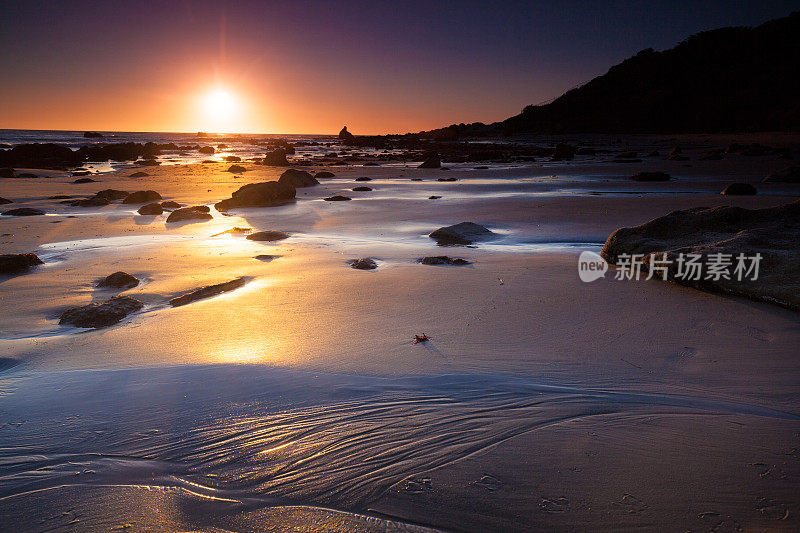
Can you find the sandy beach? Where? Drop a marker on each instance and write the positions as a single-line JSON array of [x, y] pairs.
[[300, 399]]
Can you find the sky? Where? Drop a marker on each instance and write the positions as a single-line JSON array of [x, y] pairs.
[[314, 66]]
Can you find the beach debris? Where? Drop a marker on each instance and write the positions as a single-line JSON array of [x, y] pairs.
[[431, 161], [99, 315], [739, 189], [236, 168], [4, 201], [262, 194], [363, 264], [267, 236], [770, 236], [651, 176], [297, 178], [461, 233], [337, 198], [23, 212], [207, 292], [437, 260], [363, 188], [119, 280], [141, 197], [324, 175], [275, 158], [140, 174], [189, 213], [151, 209], [421, 338], [18, 263], [789, 174], [363, 178]]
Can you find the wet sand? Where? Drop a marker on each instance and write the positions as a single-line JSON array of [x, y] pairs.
[[540, 401]]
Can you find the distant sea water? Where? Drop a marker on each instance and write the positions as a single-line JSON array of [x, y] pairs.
[[243, 145]]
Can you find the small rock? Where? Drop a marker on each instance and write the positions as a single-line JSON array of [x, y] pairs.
[[434, 197], [151, 209], [23, 212], [362, 189], [236, 168], [206, 149], [739, 189], [650, 176], [462, 233], [84, 180], [232, 159], [363, 178], [438, 260], [188, 213], [267, 236], [297, 178], [119, 280], [266, 258], [141, 197], [447, 179], [18, 263], [337, 198], [101, 315], [207, 292], [324, 175], [363, 264], [139, 174]]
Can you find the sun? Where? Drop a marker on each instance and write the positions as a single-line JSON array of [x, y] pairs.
[[220, 110]]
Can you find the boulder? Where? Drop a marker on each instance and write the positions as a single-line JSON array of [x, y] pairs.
[[151, 209], [23, 212], [169, 204], [267, 236], [563, 152], [100, 315], [324, 175], [275, 158], [431, 161], [139, 174], [189, 213], [118, 280], [236, 168], [298, 178], [18, 263], [773, 232], [4, 201], [650, 176], [739, 189], [462, 233], [206, 150], [345, 135], [262, 194], [207, 292], [438, 260], [141, 197], [337, 198], [362, 189], [787, 175], [363, 264]]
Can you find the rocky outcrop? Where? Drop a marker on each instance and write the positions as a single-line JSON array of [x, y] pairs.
[[787, 175], [190, 213], [141, 197], [151, 209], [23, 212], [442, 260], [462, 233], [297, 178], [739, 189], [118, 280], [262, 194], [207, 292], [100, 315], [93, 135], [18, 263], [774, 233], [650, 176], [267, 236], [346, 135], [364, 263]]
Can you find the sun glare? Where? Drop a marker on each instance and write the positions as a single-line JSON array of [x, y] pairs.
[[220, 111]]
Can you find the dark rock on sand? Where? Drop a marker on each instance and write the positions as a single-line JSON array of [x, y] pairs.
[[236, 168], [18, 263], [23, 212], [84, 180], [651, 176], [437, 260], [787, 175], [739, 189], [206, 149], [189, 213], [169, 204], [258, 195], [363, 264], [101, 315], [207, 292], [276, 158], [151, 209], [267, 236], [118, 280], [139, 174], [4, 201], [363, 178], [298, 178], [432, 161], [337, 198], [141, 197], [462, 233], [363, 188], [772, 232], [324, 175]]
